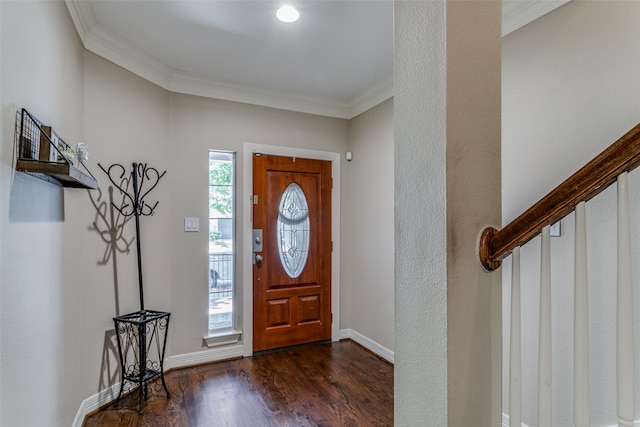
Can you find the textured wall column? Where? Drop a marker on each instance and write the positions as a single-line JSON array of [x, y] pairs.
[[447, 187], [420, 214]]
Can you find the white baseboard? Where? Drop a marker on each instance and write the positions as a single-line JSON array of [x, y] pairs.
[[206, 356], [505, 421], [109, 394], [635, 423], [94, 402], [367, 343]]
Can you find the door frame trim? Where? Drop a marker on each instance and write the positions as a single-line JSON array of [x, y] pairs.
[[246, 224]]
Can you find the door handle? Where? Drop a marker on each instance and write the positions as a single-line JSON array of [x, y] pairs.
[[258, 258]]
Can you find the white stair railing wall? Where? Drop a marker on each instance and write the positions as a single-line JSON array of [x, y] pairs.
[[580, 321], [571, 341], [624, 331]]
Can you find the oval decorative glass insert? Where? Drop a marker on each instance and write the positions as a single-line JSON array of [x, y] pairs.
[[293, 230]]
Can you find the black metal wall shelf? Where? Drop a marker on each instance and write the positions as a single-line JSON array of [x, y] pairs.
[[41, 154]]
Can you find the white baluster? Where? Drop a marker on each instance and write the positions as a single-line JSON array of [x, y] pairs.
[[581, 324], [544, 345], [624, 351], [515, 354]]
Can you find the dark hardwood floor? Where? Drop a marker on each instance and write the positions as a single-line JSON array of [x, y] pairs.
[[335, 385]]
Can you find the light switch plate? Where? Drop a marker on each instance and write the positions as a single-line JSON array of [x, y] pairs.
[[191, 224], [555, 230]]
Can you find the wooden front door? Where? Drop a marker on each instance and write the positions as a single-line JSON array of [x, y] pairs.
[[292, 272]]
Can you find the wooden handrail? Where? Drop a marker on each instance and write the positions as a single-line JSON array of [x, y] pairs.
[[623, 155]]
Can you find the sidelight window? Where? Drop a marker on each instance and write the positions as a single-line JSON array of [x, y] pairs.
[[221, 240]]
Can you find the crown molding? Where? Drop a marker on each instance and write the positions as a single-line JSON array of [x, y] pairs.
[[374, 96], [105, 44], [189, 84], [518, 13], [82, 16], [96, 39]]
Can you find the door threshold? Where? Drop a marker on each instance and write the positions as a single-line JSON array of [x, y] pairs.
[[275, 350]]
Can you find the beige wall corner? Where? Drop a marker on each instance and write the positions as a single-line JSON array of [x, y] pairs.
[[473, 200]]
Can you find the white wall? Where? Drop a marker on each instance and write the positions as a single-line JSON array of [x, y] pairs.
[[42, 290], [420, 370], [126, 120], [370, 255], [570, 88]]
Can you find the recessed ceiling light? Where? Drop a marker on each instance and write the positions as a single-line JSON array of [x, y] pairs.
[[288, 13]]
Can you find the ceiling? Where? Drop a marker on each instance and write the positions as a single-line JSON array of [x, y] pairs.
[[336, 60]]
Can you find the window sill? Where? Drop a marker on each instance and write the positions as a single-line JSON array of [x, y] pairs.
[[222, 338]]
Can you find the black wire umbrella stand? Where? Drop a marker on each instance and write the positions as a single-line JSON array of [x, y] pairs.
[[141, 335]]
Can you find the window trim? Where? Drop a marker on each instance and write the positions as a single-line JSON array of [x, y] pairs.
[[229, 334], [226, 337]]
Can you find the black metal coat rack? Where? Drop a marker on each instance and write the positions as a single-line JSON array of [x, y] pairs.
[[144, 180], [145, 329]]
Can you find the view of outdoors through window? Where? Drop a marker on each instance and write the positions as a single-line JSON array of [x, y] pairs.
[[221, 235]]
